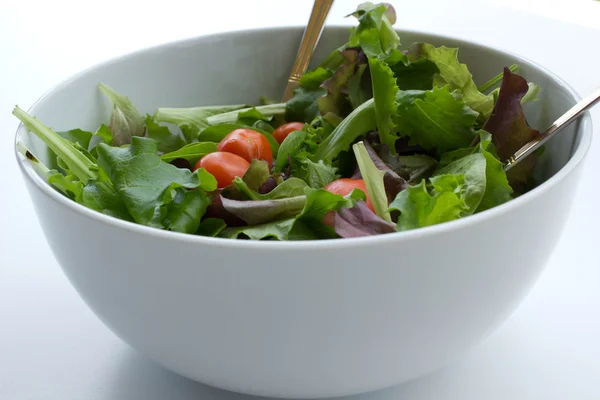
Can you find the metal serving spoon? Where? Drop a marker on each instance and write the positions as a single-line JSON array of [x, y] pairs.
[[564, 120], [310, 38]]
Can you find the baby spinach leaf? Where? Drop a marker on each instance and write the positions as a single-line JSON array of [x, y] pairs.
[[152, 189], [191, 152], [361, 121], [166, 140], [303, 106], [211, 227]]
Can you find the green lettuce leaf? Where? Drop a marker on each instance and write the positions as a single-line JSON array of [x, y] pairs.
[[78, 163], [317, 174], [102, 135], [291, 187], [384, 95], [486, 185], [194, 119], [268, 110], [289, 148], [375, 33], [415, 75], [421, 206], [373, 178], [154, 192], [454, 74], [77, 136], [125, 120], [435, 119]]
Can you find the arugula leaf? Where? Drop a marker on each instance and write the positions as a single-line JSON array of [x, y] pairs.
[[125, 120], [375, 33], [194, 119], [154, 191], [166, 141], [373, 178], [509, 127], [435, 119], [454, 74], [303, 106], [384, 95], [191, 152], [361, 121], [360, 221], [216, 133], [78, 163], [420, 206]]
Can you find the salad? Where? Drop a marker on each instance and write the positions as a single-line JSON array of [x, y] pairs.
[[376, 139]]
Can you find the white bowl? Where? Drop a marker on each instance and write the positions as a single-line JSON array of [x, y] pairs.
[[298, 319]]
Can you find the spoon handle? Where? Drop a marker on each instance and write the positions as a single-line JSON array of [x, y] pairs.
[[311, 36], [564, 120]]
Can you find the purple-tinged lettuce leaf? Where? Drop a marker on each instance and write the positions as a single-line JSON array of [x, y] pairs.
[[255, 212], [335, 101], [125, 120], [307, 225], [360, 221], [509, 127], [375, 33]]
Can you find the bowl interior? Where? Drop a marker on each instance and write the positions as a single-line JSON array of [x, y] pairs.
[[239, 67]]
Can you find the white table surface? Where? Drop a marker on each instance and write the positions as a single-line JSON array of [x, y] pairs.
[[53, 347]]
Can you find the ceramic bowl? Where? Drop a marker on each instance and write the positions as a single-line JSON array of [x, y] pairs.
[[298, 319]]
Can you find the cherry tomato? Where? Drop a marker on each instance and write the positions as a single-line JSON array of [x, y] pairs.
[[345, 186], [247, 144], [223, 166], [284, 130]]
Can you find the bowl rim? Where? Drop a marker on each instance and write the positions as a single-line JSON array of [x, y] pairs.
[[575, 160]]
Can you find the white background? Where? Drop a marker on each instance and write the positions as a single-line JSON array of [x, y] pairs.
[[53, 347]]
